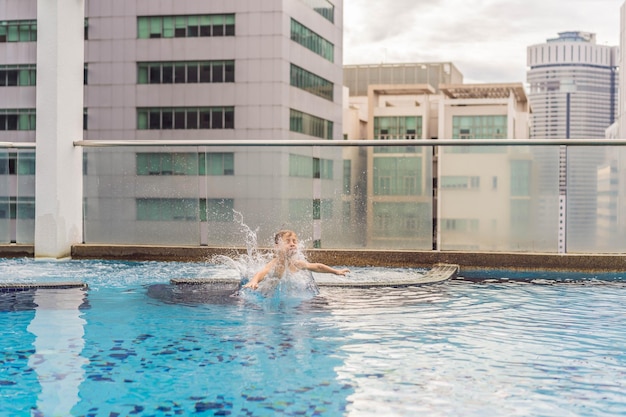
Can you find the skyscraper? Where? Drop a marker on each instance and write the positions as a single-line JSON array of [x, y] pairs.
[[572, 86]]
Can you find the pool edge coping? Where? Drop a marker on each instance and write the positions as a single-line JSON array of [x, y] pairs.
[[372, 257], [527, 261]]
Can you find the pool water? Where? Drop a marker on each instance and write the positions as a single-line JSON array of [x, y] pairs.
[[134, 345]]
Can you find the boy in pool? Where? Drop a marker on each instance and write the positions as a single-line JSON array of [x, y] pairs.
[[285, 260]]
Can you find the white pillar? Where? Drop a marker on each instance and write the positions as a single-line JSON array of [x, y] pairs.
[[59, 181]]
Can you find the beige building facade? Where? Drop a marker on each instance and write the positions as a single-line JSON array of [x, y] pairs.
[[431, 197]]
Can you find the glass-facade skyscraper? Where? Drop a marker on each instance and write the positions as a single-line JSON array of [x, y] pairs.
[[573, 85], [573, 93]]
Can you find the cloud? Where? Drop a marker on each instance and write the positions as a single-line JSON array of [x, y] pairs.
[[376, 21], [485, 39]]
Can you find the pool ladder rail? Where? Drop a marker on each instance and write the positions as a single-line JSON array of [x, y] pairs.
[[438, 273]]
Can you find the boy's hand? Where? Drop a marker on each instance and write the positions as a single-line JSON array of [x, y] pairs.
[[251, 284]]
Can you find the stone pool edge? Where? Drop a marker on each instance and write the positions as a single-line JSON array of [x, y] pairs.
[[372, 258], [591, 262]]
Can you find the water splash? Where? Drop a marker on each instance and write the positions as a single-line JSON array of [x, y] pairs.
[[250, 235], [247, 264], [291, 284]]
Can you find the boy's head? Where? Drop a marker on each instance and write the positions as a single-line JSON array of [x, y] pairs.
[[286, 240], [282, 234]]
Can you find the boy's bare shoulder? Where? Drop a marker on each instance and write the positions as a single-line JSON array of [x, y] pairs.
[[301, 264]]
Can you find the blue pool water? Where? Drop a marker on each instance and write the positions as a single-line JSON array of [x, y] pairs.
[[132, 345]]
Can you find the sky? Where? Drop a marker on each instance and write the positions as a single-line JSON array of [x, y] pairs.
[[485, 39]]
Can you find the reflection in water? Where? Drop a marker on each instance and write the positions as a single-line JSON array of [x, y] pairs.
[[58, 329]]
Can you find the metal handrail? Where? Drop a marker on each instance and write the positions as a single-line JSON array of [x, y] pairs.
[[334, 143], [364, 142], [17, 145]]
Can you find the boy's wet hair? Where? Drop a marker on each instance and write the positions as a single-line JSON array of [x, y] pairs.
[[282, 233]]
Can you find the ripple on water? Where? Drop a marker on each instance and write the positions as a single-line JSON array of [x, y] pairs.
[[453, 349], [489, 349]]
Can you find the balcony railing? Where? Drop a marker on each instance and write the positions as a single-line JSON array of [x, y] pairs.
[[545, 196]]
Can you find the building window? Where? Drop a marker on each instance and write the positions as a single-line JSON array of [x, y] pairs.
[[459, 182], [403, 220], [326, 208], [217, 163], [167, 209], [188, 26], [300, 166], [182, 72], [17, 119], [185, 209], [346, 215], [167, 163], [217, 209], [307, 167], [310, 125], [158, 118], [397, 127], [18, 75], [347, 177], [18, 31], [300, 209], [153, 163], [460, 225], [520, 217], [315, 209], [520, 178], [13, 163], [323, 7], [397, 176], [12, 208], [312, 41], [478, 127], [312, 83]]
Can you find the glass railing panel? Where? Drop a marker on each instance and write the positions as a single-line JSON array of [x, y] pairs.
[[271, 188], [503, 199], [399, 198], [7, 192], [595, 192], [334, 206], [332, 197], [25, 197], [141, 195], [509, 198], [322, 194]]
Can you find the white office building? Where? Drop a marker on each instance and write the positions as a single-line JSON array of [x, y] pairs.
[[573, 85], [182, 70]]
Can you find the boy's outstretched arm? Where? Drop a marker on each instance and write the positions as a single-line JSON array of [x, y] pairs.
[[259, 276], [325, 269]]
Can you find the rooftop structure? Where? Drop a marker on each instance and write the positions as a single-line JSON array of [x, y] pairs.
[[358, 77]]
